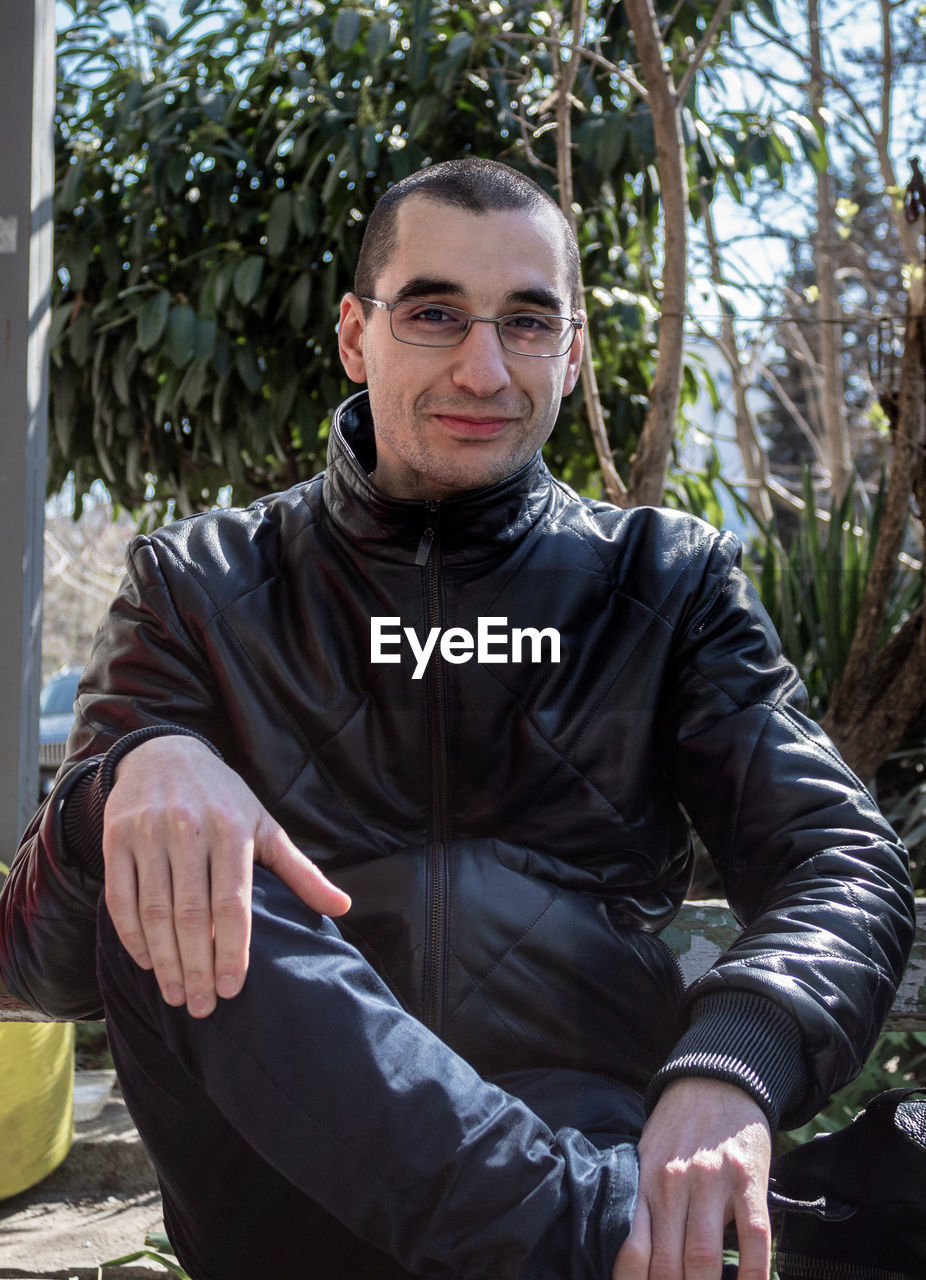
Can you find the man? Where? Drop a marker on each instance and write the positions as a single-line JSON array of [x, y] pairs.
[[436, 683]]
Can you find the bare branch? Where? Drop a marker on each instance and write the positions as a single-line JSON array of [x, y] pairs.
[[720, 13], [590, 55], [565, 76], [755, 462]]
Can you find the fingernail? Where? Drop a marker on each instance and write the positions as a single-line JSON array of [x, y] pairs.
[[227, 986], [174, 993], [199, 1006]]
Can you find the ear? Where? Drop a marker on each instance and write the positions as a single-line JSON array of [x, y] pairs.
[[574, 359], [350, 338]]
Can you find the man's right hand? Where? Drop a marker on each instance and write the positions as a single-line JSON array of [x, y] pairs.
[[181, 833]]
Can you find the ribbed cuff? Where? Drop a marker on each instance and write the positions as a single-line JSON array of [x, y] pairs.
[[745, 1040], [82, 811]]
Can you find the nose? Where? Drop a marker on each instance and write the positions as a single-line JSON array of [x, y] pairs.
[[481, 362]]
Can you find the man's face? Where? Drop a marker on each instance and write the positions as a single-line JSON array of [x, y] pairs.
[[451, 419]]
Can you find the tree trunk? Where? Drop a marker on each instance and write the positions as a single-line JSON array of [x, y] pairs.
[[883, 689], [615, 489], [650, 465]]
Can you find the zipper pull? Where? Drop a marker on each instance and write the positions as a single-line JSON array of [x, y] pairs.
[[427, 538]]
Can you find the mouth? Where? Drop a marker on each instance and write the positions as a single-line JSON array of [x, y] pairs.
[[473, 428]]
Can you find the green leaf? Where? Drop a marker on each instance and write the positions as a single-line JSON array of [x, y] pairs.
[[219, 284], [247, 366], [121, 371], [204, 342], [298, 302], [369, 150], [173, 1267], [175, 173], [181, 334], [157, 27], [379, 39], [152, 320], [424, 113], [78, 264], [193, 386], [69, 191], [59, 320], [279, 222], [345, 29], [247, 278], [304, 211], [214, 104], [421, 17]]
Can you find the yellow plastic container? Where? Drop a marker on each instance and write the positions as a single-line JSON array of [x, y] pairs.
[[36, 1101]]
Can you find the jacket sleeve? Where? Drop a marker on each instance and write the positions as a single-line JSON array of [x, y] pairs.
[[809, 865], [146, 676]]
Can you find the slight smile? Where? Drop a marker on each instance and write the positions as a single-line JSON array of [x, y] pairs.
[[475, 428]]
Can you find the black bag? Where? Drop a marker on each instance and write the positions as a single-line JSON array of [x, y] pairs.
[[853, 1203]]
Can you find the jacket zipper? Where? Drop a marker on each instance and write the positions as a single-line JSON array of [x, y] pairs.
[[437, 867], [678, 971]]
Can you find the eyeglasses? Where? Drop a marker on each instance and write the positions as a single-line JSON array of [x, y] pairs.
[[432, 324]]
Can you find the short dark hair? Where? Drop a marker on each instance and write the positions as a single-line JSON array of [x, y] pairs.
[[473, 184]]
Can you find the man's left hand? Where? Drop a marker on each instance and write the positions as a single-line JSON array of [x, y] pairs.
[[704, 1162]]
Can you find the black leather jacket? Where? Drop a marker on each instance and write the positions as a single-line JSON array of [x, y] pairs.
[[511, 831]]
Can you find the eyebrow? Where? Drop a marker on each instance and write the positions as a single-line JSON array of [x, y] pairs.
[[429, 286]]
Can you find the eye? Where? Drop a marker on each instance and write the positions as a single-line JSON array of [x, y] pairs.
[[532, 323], [428, 315], [533, 327]]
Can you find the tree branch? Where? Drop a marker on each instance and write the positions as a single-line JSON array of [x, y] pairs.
[[565, 76], [648, 474], [720, 13], [874, 701], [590, 55]]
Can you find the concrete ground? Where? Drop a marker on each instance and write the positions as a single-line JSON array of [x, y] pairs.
[[99, 1204]]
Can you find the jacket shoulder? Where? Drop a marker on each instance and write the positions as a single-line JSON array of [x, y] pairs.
[[229, 552], [658, 556]]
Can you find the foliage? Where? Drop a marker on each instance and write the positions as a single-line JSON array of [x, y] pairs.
[[91, 1047], [813, 588], [211, 192], [160, 1247], [811, 575], [897, 1061], [148, 1255]]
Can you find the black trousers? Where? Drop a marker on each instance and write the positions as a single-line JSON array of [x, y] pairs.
[[311, 1129]]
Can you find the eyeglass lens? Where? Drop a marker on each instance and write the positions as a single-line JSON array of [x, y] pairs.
[[426, 324]]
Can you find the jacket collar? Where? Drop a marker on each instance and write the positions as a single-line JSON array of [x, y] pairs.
[[470, 525]]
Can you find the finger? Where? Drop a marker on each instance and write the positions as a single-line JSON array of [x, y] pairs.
[[190, 851], [156, 914], [275, 851], [633, 1259], [754, 1236], [702, 1248], [231, 883], [121, 891]]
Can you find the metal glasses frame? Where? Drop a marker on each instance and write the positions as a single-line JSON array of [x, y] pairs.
[[498, 321]]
